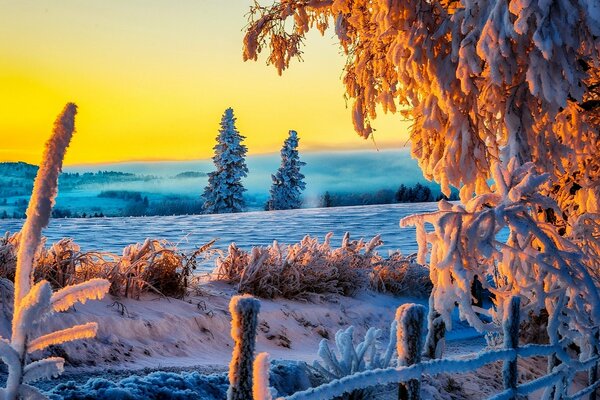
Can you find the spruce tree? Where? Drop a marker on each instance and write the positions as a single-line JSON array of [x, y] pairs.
[[224, 193], [288, 181]]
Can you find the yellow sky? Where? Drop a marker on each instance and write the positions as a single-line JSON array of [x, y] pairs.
[[152, 79]]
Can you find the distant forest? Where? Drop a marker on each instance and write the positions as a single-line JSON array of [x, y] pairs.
[[418, 193]]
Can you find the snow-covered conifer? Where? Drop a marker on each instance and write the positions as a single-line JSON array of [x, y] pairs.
[[33, 304], [244, 321], [288, 181], [224, 193]]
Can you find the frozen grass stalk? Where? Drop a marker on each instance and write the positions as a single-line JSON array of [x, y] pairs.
[[244, 321], [410, 319], [260, 384], [34, 303]]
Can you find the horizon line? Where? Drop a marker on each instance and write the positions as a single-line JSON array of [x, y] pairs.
[[259, 154]]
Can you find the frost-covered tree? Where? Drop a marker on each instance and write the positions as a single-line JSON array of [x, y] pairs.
[[482, 80], [288, 182], [34, 303], [224, 193]]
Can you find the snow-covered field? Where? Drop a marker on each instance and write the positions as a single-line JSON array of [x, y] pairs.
[[141, 334], [245, 229]]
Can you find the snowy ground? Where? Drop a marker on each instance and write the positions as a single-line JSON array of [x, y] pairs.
[[156, 333], [139, 337], [194, 334]]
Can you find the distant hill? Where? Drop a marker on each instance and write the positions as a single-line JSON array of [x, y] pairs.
[[18, 170], [190, 174], [16, 178]]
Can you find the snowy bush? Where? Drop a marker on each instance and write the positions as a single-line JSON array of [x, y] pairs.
[[288, 182], [8, 256], [224, 193], [537, 263], [300, 269], [352, 358], [311, 267], [35, 303], [153, 266], [401, 276], [64, 263]]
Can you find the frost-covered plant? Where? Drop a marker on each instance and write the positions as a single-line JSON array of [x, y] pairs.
[[224, 193], [244, 321], [288, 181], [300, 269], [400, 275], [352, 358], [35, 303], [494, 340], [230, 267], [537, 263], [64, 263], [8, 255], [153, 266]]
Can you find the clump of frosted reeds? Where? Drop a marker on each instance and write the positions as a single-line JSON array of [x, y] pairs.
[[153, 266], [310, 267], [300, 269], [8, 255], [401, 276]]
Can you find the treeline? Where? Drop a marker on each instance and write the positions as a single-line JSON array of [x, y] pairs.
[[418, 193], [139, 205]]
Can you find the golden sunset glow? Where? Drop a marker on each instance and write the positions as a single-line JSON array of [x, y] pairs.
[[151, 81]]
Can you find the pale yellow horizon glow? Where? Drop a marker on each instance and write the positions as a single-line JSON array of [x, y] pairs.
[[152, 79]]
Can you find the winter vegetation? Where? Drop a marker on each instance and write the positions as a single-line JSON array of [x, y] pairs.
[[309, 267], [155, 266], [354, 358], [288, 181], [224, 193]]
